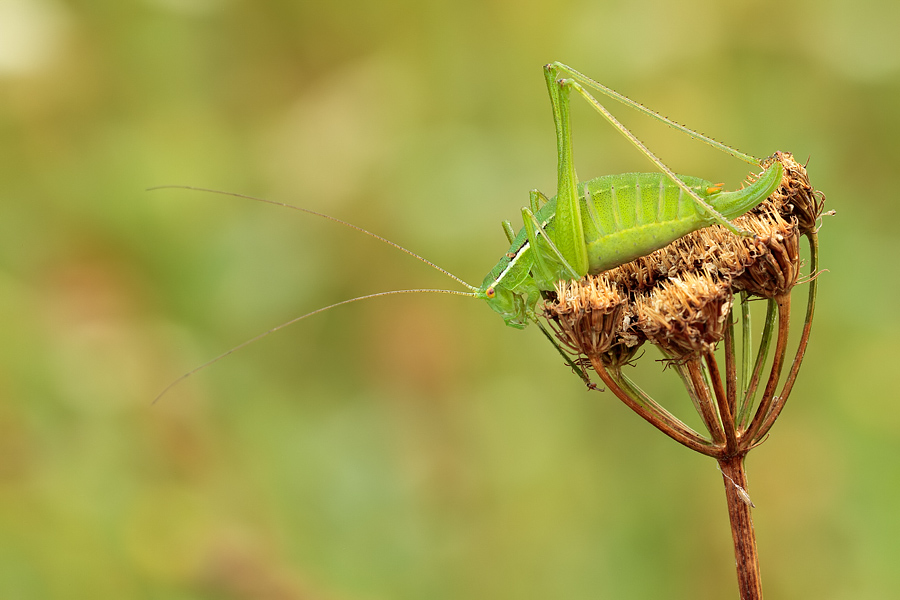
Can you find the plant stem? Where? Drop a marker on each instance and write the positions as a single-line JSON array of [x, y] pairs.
[[725, 416], [707, 408], [765, 404], [654, 414], [745, 555], [762, 354], [804, 338]]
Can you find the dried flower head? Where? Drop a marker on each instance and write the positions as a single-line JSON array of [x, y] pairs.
[[777, 266], [680, 299], [687, 315], [796, 197], [586, 314]]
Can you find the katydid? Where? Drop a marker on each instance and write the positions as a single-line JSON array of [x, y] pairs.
[[610, 220], [588, 227]]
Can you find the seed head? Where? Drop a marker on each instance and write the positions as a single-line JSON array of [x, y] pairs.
[[680, 299], [679, 296], [795, 197], [687, 315], [587, 314], [776, 267]]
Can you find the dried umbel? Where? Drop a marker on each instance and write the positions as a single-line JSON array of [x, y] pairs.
[[685, 316], [588, 314], [680, 299], [796, 197], [777, 266]]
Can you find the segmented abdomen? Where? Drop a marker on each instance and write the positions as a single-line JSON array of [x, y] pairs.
[[632, 214]]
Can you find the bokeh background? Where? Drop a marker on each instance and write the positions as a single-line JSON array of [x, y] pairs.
[[410, 446]]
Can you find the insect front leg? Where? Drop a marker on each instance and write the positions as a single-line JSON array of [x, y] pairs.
[[550, 265], [509, 231], [575, 366], [537, 199]]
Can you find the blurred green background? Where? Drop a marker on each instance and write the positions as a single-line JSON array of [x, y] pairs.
[[410, 446]]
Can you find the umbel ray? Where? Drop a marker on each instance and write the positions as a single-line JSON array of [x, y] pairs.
[[589, 226]]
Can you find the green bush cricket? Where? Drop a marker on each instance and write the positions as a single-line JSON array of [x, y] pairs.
[[588, 227], [610, 220]]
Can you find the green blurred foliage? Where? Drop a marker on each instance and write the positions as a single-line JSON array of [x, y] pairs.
[[410, 446]]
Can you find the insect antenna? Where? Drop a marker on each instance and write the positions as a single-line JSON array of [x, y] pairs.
[[471, 294], [300, 318], [324, 216]]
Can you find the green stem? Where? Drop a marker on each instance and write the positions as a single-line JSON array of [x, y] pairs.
[[761, 355], [631, 387], [660, 420], [768, 397], [804, 338]]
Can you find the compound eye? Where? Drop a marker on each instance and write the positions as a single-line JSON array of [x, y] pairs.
[[490, 293]]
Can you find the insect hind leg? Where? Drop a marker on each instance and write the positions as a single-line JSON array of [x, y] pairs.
[[611, 93], [715, 215]]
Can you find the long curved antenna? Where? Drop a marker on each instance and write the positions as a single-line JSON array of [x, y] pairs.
[[324, 216], [300, 318]]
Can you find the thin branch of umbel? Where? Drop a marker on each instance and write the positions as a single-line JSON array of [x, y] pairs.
[[681, 299]]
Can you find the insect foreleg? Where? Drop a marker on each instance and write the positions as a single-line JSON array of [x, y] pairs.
[[716, 215], [575, 367], [509, 231], [549, 263], [596, 85], [537, 199]]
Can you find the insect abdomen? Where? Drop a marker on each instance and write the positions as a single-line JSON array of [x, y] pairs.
[[630, 215]]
